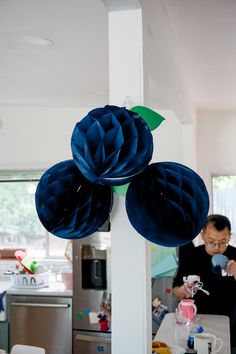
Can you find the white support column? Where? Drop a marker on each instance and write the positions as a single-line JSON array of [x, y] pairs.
[[125, 57], [131, 286], [131, 264]]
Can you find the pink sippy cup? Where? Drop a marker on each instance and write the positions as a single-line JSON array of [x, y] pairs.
[[187, 308]]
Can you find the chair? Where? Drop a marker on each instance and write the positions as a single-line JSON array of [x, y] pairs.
[[26, 349]]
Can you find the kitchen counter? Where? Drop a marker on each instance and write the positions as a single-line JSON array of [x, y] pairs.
[[51, 317], [54, 289], [55, 294]]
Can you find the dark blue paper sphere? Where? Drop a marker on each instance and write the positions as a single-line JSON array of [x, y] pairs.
[[167, 204], [70, 206], [111, 145]]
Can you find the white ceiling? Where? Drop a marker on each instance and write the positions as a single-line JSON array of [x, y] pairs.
[[206, 31], [72, 71], [73, 68]]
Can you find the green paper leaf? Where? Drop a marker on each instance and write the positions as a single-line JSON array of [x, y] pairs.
[[152, 118], [120, 190]]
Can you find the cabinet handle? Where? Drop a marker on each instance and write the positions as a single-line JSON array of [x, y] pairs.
[[35, 304], [91, 338]]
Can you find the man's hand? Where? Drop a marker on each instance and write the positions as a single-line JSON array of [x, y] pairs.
[[183, 291], [231, 268]]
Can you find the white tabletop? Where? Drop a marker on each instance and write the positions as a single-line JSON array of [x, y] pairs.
[[176, 334]]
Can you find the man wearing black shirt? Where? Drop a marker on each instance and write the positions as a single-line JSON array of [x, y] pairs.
[[198, 261]]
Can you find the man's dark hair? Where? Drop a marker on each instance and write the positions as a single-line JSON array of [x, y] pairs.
[[220, 222]]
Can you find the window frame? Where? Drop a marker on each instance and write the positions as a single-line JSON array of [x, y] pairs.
[[5, 178], [227, 214]]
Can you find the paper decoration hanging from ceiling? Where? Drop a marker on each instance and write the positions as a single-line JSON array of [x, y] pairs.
[[111, 145], [120, 190], [152, 118], [167, 203], [70, 206]]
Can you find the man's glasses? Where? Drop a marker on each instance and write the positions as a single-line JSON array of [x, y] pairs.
[[214, 244]]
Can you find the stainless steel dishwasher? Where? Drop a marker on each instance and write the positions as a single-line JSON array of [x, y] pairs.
[[41, 321]]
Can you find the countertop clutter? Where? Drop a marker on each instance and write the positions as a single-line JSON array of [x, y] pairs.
[[54, 288], [36, 291], [24, 275], [214, 325]]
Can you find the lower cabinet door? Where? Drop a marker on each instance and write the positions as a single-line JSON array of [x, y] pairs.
[[4, 336], [91, 343], [42, 322]]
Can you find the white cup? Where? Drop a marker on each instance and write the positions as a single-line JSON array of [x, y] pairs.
[[207, 343]]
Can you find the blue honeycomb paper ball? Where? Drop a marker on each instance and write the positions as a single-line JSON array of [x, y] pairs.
[[70, 206], [167, 204], [111, 145]]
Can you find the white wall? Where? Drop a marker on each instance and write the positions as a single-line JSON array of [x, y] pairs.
[[168, 138], [190, 145], [36, 137], [175, 141], [216, 144]]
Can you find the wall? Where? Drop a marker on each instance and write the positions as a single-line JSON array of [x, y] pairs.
[[168, 138], [36, 137], [175, 141], [216, 144]]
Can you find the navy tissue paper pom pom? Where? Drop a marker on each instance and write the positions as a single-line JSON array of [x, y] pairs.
[[112, 144], [167, 204], [68, 205]]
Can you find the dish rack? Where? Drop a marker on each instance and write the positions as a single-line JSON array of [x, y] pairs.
[[30, 281]]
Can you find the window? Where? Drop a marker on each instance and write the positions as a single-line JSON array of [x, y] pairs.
[[19, 222], [224, 200]]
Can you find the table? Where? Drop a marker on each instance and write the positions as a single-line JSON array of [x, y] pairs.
[[176, 334]]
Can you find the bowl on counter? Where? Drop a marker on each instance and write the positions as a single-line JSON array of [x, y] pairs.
[[66, 276]]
